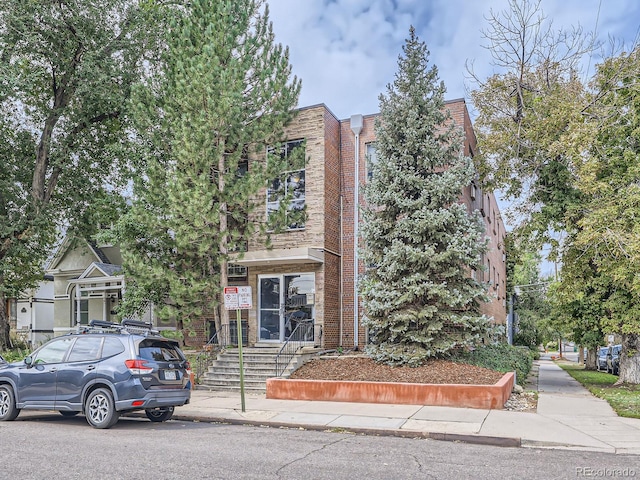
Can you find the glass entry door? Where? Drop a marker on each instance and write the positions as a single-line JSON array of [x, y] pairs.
[[284, 301]]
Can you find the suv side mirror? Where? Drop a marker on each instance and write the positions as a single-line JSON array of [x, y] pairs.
[[28, 361]]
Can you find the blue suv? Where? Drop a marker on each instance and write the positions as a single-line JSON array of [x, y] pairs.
[[103, 370]]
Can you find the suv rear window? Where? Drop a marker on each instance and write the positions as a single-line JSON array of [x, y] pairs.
[[112, 346], [159, 351]]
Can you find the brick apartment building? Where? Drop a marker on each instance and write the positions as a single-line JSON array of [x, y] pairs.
[[310, 273]]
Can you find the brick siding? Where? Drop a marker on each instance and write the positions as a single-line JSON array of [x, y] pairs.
[[329, 196]]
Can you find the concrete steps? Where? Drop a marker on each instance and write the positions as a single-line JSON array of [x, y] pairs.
[[259, 364]]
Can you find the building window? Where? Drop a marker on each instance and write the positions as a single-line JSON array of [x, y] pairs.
[[372, 158], [288, 187]]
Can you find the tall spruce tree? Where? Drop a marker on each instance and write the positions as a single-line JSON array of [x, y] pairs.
[[419, 296], [223, 95]]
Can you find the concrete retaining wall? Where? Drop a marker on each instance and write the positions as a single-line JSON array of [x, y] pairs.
[[467, 396]]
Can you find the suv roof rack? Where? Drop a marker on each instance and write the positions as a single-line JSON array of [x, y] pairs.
[[126, 326]]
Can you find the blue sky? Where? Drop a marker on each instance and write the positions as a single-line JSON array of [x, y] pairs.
[[345, 51]]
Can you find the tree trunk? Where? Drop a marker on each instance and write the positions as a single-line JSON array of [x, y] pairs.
[[630, 359], [5, 340], [592, 360]]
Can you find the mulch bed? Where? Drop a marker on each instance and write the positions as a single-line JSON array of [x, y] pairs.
[[359, 368]]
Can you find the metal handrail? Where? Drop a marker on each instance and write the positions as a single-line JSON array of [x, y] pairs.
[[301, 335], [214, 339], [219, 341], [210, 350]]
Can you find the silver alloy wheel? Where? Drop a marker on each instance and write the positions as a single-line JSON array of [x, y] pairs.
[[99, 408], [8, 410], [5, 402]]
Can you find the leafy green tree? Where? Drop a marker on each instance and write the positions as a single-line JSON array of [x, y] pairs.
[[523, 114], [579, 301], [66, 70], [609, 232], [420, 242], [529, 298], [222, 95], [568, 151]]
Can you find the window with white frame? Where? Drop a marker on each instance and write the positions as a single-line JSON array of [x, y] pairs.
[[84, 309], [289, 186]]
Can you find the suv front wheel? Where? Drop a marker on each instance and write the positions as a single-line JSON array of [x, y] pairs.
[[100, 410], [8, 410], [159, 414]]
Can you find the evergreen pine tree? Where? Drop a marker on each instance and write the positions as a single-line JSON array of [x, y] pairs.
[[420, 243], [223, 95]]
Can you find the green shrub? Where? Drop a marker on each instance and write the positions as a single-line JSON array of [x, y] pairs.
[[15, 355], [172, 334], [500, 357]]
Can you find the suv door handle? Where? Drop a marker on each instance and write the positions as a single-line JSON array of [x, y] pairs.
[[91, 367]]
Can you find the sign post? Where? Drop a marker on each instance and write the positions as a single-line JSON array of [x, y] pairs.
[[239, 298]]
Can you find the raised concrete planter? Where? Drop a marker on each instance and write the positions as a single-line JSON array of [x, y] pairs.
[[468, 396]]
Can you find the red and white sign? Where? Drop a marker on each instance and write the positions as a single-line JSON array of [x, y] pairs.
[[237, 298]]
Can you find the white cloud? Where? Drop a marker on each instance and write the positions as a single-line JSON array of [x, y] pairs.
[[346, 51]]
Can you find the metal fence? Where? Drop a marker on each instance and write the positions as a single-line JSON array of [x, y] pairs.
[[301, 335]]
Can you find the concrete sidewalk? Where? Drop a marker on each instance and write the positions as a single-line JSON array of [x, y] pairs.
[[568, 417]]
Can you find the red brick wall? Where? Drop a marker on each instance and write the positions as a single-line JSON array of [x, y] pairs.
[[485, 202], [332, 234], [367, 135], [330, 177]]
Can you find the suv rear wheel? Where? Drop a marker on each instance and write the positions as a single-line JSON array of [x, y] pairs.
[[159, 414], [8, 410], [100, 410]]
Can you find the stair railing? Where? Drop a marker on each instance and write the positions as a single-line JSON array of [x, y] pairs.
[[301, 335], [210, 350]]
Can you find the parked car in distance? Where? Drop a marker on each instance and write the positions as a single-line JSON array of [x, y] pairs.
[[102, 371], [601, 362], [613, 360]]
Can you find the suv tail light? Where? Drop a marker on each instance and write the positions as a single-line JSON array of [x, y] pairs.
[[138, 367]]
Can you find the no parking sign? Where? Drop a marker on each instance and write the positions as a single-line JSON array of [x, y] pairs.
[[237, 298]]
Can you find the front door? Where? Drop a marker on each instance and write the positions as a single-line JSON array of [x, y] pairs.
[[284, 302]]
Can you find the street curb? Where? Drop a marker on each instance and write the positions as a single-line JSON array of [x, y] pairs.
[[508, 442]]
